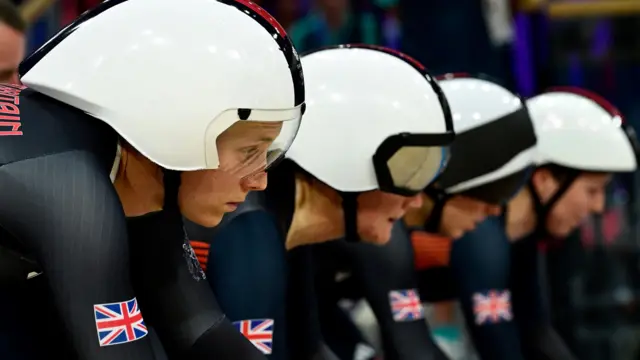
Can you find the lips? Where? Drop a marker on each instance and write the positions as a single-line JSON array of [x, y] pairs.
[[232, 205]]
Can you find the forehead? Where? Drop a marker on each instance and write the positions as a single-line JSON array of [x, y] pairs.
[[12, 46], [595, 178], [252, 130]]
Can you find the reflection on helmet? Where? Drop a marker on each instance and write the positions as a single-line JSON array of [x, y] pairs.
[[114, 61], [580, 130], [495, 144], [375, 120]]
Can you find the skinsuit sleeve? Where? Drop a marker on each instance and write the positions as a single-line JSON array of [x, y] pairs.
[[246, 268], [387, 277], [304, 337], [60, 206], [175, 295], [539, 340], [335, 282], [67, 214], [480, 263]]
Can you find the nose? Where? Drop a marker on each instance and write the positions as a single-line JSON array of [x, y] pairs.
[[597, 206], [255, 182], [414, 202]]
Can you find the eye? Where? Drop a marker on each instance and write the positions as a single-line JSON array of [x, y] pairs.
[[595, 190]]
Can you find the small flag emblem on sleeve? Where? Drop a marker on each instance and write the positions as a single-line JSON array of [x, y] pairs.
[[492, 306], [259, 332], [119, 323], [406, 305]]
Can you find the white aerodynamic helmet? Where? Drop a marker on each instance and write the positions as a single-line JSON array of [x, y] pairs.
[[375, 120], [578, 131], [494, 150], [170, 76], [582, 131]]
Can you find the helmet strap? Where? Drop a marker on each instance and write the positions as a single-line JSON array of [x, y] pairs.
[[543, 210], [171, 180], [350, 215], [439, 198]]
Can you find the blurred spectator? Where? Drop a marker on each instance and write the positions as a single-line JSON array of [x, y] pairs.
[[12, 41], [286, 11], [333, 22], [459, 36]]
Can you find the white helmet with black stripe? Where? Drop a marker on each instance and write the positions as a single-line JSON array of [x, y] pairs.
[[582, 131], [375, 120], [171, 76], [578, 131], [495, 146]]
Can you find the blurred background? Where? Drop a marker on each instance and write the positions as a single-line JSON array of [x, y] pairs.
[[593, 278]]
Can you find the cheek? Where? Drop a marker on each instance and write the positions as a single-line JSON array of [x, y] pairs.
[[577, 205], [368, 216], [568, 212], [205, 188], [374, 226]]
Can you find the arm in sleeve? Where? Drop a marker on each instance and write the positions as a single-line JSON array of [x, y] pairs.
[[247, 271], [388, 278], [176, 297], [539, 340], [480, 265], [65, 210]]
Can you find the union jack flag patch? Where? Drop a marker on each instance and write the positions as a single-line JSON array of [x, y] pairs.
[[259, 332], [492, 306], [119, 323], [406, 305]]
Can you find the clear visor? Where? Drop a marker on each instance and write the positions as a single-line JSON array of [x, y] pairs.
[[413, 168], [252, 140]]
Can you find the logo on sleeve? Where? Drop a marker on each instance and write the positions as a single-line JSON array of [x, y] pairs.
[[492, 307], [192, 260], [119, 323], [406, 305], [259, 332]]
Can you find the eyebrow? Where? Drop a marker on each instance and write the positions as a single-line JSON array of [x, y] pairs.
[[267, 139]]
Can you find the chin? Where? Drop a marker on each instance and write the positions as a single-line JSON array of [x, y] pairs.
[[561, 233], [457, 234], [208, 220], [377, 236]]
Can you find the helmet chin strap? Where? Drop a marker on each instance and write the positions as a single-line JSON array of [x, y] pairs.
[[543, 210], [350, 215], [439, 198], [171, 180]]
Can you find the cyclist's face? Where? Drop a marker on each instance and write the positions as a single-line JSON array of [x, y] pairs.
[[585, 196], [462, 214], [378, 211], [206, 195]]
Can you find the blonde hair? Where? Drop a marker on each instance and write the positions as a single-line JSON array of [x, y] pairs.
[[317, 214]]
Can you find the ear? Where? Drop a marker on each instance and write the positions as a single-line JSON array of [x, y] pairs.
[[544, 183]]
